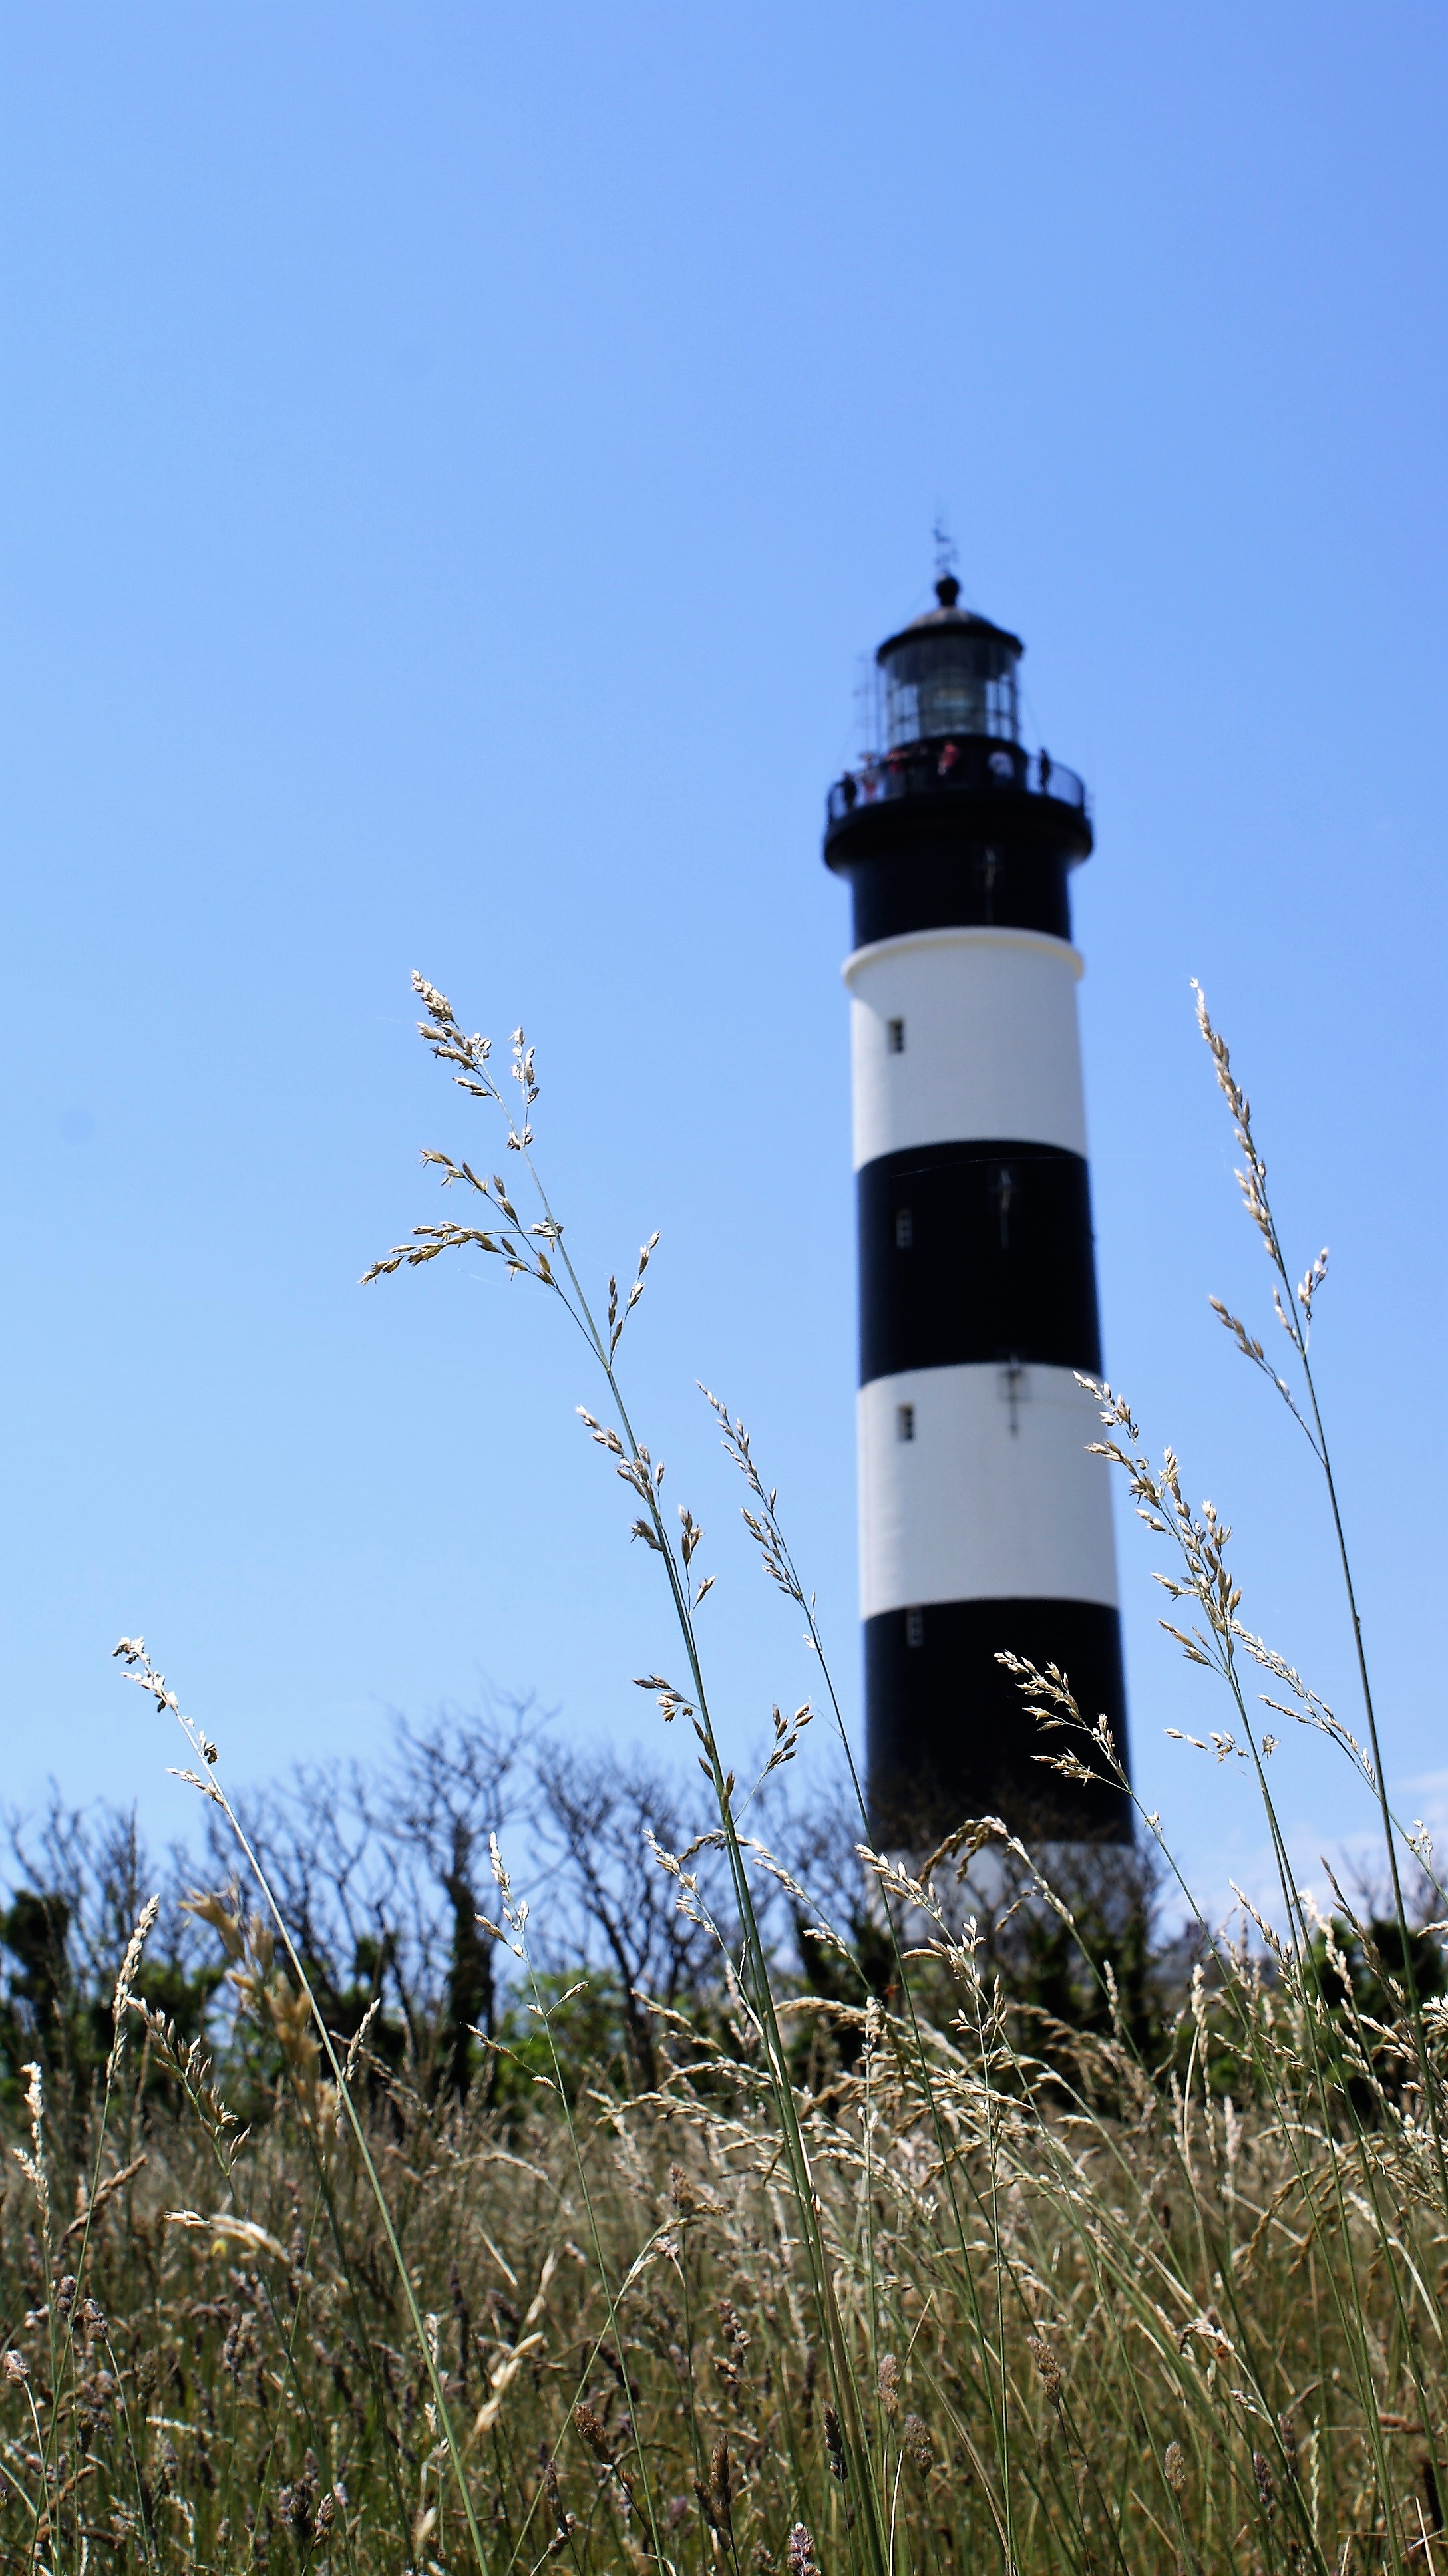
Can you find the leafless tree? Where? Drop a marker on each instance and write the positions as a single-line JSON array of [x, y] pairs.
[[381, 1875], [94, 1869], [340, 1886], [615, 1901], [449, 1787]]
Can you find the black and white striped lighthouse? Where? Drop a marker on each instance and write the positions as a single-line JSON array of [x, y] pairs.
[[983, 1521]]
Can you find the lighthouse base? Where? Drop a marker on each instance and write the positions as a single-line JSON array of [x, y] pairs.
[[948, 1733]]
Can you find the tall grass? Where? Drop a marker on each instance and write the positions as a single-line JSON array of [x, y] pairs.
[[906, 2266]]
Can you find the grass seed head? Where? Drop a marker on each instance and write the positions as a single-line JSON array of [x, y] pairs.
[[916, 2435], [592, 2430], [800, 2552], [1048, 2367], [720, 2479], [1287, 2434]]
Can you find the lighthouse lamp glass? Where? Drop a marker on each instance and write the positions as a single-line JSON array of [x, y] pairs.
[[951, 683]]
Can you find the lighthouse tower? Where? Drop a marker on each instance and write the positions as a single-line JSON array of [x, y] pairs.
[[984, 1524]]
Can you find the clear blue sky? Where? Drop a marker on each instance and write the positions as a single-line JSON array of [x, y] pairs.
[[452, 459]]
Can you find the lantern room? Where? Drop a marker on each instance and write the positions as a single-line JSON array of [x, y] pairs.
[[948, 674]]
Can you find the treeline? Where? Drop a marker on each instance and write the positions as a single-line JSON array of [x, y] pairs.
[[384, 1876]]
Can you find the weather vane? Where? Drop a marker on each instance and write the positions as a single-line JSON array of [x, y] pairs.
[[947, 554]]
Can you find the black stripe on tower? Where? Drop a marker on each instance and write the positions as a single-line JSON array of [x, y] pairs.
[[963, 850], [976, 1252], [982, 885], [947, 1730]]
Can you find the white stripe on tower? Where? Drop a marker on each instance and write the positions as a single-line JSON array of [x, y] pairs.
[[991, 1496], [965, 1032]]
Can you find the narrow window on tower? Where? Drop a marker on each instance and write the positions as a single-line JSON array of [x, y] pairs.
[[905, 1421], [897, 1037], [914, 1627], [904, 1230], [1003, 1190]]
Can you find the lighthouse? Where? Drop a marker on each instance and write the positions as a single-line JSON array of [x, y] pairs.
[[984, 1522]]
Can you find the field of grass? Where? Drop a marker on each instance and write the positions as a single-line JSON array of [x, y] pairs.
[[937, 2219]]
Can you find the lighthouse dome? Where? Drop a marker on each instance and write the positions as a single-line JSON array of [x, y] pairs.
[[949, 673]]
